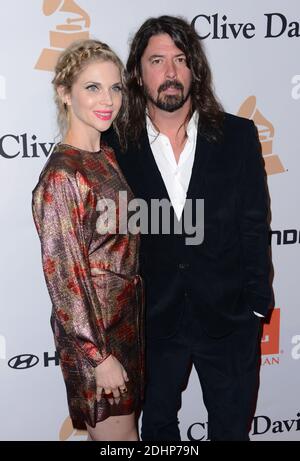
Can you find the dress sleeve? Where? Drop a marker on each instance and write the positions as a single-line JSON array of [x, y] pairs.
[[59, 213]]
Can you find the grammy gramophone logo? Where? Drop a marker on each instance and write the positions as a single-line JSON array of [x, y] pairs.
[[266, 133], [75, 25], [67, 431]]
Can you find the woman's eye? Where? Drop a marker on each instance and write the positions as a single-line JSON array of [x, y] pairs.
[[92, 88], [117, 88]]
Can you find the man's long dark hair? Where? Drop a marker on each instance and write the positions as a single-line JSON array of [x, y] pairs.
[[202, 96]]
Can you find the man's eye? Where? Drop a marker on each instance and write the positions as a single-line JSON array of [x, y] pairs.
[[156, 61]]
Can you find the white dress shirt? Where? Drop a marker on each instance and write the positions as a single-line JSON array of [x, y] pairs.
[[176, 176]]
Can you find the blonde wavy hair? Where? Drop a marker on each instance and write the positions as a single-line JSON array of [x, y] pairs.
[[72, 61]]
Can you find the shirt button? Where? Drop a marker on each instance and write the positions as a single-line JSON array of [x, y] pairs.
[[183, 266]]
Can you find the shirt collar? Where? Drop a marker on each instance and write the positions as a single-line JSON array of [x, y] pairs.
[[192, 126]]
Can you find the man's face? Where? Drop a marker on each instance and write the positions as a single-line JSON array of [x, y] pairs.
[[165, 76]]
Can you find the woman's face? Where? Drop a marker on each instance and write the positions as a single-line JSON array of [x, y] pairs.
[[95, 98]]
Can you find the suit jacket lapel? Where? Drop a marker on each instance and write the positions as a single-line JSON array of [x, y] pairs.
[[153, 180], [205, 151]]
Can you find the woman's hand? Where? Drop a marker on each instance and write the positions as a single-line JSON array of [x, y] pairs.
[[111, 378]]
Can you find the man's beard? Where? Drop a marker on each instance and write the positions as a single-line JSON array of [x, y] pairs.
[[168, 102]]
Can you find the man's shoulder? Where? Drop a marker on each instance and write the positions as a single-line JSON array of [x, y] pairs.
[[234, 122], [110, 139], [133, 148]]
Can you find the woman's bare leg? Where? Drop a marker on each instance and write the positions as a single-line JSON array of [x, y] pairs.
[[114, 428]]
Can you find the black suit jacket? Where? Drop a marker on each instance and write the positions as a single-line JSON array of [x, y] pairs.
[[226, 277]]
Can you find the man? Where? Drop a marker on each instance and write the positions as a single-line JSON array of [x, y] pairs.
[[203, 301]]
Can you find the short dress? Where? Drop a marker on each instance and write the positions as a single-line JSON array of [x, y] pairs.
[[90, 263]]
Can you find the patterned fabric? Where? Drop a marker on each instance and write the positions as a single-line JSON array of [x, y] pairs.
[[92, 279]]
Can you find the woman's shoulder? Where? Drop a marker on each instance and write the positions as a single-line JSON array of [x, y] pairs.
[[66, 157], [60, 169], [64, 161]]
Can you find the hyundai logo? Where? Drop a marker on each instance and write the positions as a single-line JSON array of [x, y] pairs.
[[20, 362]]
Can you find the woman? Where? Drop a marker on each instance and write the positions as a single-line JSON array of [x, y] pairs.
[[90, 268]]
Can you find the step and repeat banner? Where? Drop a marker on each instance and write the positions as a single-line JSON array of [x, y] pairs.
[[253, 49]]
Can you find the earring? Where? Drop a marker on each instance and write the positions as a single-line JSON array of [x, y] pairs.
[[67, 113]]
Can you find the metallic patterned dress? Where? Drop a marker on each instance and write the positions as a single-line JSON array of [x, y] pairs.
[[91, 270]]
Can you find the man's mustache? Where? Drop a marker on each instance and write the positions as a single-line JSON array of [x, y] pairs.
[[170, 84]]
